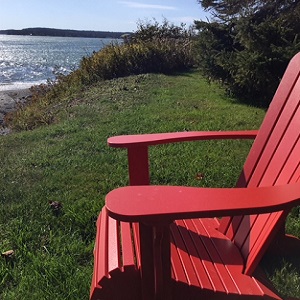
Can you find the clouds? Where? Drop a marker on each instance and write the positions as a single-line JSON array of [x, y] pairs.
[[112, 15], [175, 11], [185, 20], [131, 4]]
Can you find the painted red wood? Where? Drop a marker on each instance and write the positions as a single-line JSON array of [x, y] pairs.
[[214, 253], [102, 240], [113, 258], [211, 283], [194, 247], [168, 203], [129, 141], [286, 147], [138, 165], [202, 258], [277, 105], [114, 261], [99, 262], [136, 238], [127, 256], [273, 160], [147, 261]]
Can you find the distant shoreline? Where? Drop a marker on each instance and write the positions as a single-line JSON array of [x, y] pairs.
[[39, 31]]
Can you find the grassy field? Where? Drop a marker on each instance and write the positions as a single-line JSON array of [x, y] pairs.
[[70, 163]]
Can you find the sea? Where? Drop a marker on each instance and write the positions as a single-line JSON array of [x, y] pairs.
[[32, 60]]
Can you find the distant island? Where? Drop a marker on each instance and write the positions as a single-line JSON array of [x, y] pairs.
[[38, 31]]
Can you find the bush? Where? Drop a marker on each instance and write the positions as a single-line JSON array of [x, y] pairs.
[[154, 48], [248, 46]]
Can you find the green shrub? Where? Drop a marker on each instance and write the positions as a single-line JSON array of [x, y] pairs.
[[154, 48], [248, 45], [158, 56]]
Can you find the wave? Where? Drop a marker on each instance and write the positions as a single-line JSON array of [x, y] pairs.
[[19, 85], [25, 61]]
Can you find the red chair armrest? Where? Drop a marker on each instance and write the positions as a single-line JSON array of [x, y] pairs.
[[126, 141], [156, 204]]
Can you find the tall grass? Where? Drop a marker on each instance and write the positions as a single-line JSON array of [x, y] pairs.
[[160, 55]]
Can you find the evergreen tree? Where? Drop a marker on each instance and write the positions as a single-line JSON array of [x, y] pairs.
[[248, 44]]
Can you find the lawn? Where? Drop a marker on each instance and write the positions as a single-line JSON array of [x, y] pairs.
[[54, 179]]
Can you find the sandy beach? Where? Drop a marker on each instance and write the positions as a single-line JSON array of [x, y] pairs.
[[9, 101]]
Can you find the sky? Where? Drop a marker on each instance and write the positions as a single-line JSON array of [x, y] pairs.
[[99, 15]]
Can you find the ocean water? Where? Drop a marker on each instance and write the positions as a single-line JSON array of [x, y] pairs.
[[30, 60]]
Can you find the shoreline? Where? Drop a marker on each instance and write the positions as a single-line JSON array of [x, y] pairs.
[[9, 100]]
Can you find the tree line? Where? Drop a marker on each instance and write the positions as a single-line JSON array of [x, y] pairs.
[[38, 31], [248, 43]]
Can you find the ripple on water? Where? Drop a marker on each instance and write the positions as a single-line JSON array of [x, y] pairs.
[[32, 59]]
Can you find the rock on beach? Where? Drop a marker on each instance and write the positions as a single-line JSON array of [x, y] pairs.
[[9, 100]]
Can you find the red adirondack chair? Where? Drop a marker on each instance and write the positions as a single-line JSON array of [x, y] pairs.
[[168, 242]]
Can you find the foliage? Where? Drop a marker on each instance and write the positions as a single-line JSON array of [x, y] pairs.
[[284, 274], [248, 44], [154, 48], [149, 31]]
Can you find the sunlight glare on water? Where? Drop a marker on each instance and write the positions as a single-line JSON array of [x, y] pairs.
[[29, 60]]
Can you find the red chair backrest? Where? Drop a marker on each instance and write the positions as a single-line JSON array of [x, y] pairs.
[[274, 159]]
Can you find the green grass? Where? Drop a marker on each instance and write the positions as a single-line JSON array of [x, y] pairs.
[[69, 162]]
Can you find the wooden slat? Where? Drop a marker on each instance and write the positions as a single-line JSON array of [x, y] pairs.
[[216, 257], [281, 156], [97, 274], [266, 291], [296, 176], [187, 231], [290, 170], [178, 271], [274, 140], [229, 253], [128, 254], [205, 264], [113, 246], [136, 239], [190, 273], [230, 225], [267, 235], [101, 266], [243, 231], [258, 224]]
